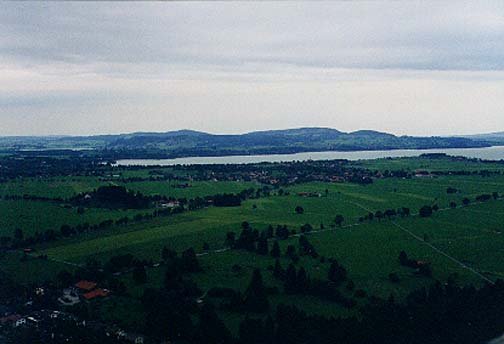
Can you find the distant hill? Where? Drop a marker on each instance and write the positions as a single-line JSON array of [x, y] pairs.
[[493, 138], [194, 143]]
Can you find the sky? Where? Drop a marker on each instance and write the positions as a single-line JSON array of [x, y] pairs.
[[409, 68]]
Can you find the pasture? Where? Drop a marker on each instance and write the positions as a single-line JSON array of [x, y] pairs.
[[464, 243]]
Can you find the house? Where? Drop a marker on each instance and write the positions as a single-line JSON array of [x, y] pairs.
[[20, 322], [5, 310], [309, 194], [170, 205], [10, 319], [134, 338], [69, 297], [98, 292], [85, 285]]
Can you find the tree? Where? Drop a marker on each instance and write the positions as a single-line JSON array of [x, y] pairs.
[[252, 331], [190, 261], [425, 270], [168, 254], [210, 329], [393, 277], [290, 279], [275, 251], [466, 201], [262, 246], [306, 247], [282, 232], [140, 275], [389, 213], [291, 251], [379, 215], [299, 210], [278, 271], [339, 220], [403, 258], [255, 298], [64, 278], [306, 228], [425, 211], [230, 239], [302, 282], [269, 232], [18, 234], [337, 273]]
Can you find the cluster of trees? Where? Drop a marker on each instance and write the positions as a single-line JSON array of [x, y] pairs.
[[32, 198], [32, 166], [297, 281], [171, 310], [227, 200], [187, 262], [388, 214], [20, 240], [427, 210], [112, 197], [487, 197], [440, 314], [253, 240]]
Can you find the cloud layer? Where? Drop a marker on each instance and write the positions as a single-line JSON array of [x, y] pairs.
[[410, 68]]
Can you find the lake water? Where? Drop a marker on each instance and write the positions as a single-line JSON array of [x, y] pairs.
[[487, 153]]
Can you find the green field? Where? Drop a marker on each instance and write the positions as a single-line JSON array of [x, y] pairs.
[[38, 216], [459, 228], [464, 243]]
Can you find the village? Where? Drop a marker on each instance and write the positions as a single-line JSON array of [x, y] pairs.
[[47, 314]]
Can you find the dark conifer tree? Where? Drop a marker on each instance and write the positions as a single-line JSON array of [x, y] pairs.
[[262, 246], [255, 298], [275, 251]]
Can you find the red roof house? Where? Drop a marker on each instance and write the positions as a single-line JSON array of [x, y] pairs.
[[98, 292], [85, 285]]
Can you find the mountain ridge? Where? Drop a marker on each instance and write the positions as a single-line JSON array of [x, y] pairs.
[[186, 142]]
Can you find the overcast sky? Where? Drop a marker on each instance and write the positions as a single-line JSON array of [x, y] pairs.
[[416, 68]]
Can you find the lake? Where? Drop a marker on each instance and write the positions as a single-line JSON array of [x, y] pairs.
[[487, 153]]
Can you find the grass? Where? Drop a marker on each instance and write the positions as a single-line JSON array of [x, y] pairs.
[[471, 235], [197, 189], [37, 216], [31, 270], [33, 215]]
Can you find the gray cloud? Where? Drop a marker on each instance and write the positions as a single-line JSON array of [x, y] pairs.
[[162, 66]]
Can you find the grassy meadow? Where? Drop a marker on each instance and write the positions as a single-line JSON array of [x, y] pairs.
[[469, 238]]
